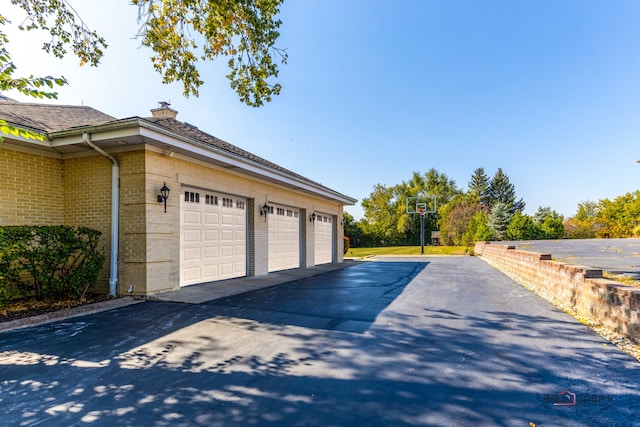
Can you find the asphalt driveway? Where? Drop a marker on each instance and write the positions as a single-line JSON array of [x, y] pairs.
[[441, 341]]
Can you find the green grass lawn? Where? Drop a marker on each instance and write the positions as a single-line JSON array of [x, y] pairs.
[[408, 250]]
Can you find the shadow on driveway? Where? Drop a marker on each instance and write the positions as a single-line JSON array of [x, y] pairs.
[[450, 343]]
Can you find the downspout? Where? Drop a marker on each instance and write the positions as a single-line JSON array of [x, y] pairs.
[[115, 212]]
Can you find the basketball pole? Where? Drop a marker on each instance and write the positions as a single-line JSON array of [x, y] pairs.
[[422, 233]]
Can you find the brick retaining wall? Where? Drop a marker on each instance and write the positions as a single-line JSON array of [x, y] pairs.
[[584, 289]]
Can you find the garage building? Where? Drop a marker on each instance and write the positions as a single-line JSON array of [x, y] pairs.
[[227, 213]]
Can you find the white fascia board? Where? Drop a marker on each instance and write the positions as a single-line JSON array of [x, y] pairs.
[[120, 129], [99, 136]]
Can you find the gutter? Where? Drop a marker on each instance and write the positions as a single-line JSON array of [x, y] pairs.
[[115, 212]]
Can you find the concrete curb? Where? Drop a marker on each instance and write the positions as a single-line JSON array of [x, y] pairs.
[[68, 313]]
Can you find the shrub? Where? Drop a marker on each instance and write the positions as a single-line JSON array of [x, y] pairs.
[[55, 262]]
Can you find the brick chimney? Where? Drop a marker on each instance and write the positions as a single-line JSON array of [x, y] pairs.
[[164, 111]]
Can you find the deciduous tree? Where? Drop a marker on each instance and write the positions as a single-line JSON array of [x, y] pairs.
[[380, 212], [181, 33], [455, 218], [245, 31], [619, 217], [523, 227], [478, 229]]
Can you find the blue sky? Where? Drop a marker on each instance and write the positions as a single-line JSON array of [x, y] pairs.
[[547, 90]]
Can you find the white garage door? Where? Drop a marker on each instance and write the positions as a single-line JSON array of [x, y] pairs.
[[284, 238], [323, 231], [213, 237]]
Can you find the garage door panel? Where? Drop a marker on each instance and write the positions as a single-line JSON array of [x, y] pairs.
[[227, 251], [191, 235], [191, 217], [212, 270], [191, 254], [212, 252], [227, 219], [211, 218], [227, 268], [211, 236], [192, 273], [227, 236]]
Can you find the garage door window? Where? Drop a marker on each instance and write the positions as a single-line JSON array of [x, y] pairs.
[[191, 197]]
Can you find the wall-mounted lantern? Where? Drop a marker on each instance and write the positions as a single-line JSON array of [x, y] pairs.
[[312, 218], [163, 196], [264, 211]]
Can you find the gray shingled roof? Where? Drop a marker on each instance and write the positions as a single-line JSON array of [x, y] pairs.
[[54, 118], [193, 132], [49, 117]]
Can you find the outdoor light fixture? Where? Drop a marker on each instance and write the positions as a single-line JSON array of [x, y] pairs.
[[312, 217], [164, 195], [264, 211]]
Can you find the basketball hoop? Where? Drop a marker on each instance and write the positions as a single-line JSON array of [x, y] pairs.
[[422, 205]]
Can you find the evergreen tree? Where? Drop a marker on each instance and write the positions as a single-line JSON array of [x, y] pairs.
[[479, 186], [550, 223], [541, 214], [499, 220], [501, 190]]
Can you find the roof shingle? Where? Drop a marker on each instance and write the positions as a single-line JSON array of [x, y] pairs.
[[49, 117], [193, 132]]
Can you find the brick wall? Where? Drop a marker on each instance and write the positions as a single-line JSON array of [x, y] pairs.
[[584, 289], [87, 202], [30, 189], [44, 190]]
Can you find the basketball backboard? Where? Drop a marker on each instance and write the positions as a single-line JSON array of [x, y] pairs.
[[421, 205]]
